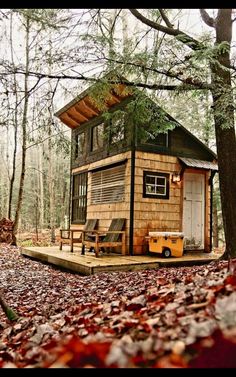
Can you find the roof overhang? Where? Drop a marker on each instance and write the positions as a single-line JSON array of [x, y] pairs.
[[198, 164], [83, 108]]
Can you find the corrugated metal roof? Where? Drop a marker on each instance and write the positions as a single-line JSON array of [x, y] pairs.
[[201, 164]]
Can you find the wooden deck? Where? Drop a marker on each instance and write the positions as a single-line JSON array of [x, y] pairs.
[[88, 264]]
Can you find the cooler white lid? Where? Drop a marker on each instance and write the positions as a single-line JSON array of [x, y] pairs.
[[166, 234]]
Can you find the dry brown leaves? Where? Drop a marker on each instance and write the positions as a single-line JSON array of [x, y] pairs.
[[165, 318]]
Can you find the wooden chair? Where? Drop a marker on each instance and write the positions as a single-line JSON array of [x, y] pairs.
[[115, 236], [72, 237]]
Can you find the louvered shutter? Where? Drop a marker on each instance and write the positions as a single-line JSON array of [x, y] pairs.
[[108, 185]]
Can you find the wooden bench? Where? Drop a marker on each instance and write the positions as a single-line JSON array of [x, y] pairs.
[[115, 236], [70, 236]]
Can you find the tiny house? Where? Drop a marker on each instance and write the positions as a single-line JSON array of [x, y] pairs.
[[121, 167]]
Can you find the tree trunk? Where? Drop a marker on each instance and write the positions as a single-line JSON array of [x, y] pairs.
[[40, 167], [23, 126], [12, 179], [224, 129], [51, 187], [36, 216], [215, 225]]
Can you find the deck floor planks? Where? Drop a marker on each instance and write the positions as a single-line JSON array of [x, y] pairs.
[[88, 264]]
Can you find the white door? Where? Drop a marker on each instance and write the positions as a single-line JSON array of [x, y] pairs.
[[193, 210]]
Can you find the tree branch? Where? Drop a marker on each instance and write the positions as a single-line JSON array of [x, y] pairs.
[[169, 74], [210, 21], [188, 84], [180, 35], [166, 19]]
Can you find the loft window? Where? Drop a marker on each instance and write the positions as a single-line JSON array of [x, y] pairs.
[[79, 197], [79, 145], [108, 185], [117, 129], [98, 137], [155, 185], [159, 139]]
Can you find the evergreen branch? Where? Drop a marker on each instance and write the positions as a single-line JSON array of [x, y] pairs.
[[10, 313]]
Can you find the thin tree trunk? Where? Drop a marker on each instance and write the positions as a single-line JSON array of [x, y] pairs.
[[51, 168], [24, 128], [40, 167], [124, 19], [51, 188], [215, 224], [36, 216], [12, 178]]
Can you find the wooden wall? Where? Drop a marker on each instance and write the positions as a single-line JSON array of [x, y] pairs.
[[150, 214]]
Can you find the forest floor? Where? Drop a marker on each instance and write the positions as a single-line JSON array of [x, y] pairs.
[[181, 317]]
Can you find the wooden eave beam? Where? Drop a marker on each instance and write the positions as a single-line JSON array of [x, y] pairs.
[[81, 112], [76, 115], [116, 96], [119, 90], [88, 108], [91, 106], [68, 121], [112, 101], [73, 117]]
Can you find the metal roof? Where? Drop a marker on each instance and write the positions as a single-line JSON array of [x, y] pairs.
[[200, 164]]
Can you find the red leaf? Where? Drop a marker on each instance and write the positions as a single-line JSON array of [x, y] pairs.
[[231, 279], [220, 355]]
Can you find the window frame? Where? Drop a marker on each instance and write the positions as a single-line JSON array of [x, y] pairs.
[[92, 137], [76, 155], [166, 176], [120, 126], [82, 210]]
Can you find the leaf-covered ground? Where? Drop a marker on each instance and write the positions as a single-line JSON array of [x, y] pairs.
[[170, 317]]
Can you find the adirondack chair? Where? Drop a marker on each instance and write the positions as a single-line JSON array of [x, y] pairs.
[[115, 236], [71, 236]]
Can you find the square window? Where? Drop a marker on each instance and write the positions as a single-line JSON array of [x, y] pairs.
[[155, 185]]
